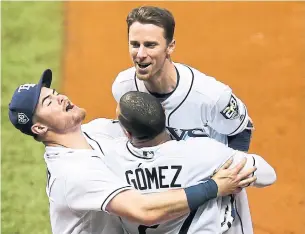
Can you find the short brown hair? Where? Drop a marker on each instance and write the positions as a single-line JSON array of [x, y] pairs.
[[153, 15]]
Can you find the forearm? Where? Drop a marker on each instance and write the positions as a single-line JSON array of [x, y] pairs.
[[149, 209], [175, 203], [160, 207]]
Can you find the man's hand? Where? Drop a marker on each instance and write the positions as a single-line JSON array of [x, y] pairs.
[[232, 180]]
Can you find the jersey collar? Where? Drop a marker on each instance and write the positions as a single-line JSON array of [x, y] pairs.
[[52, 152], [182, 90], [143, 153]]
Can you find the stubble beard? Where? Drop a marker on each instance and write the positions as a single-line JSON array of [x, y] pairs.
[[144, 77], [71, 124], [79, 118], [151, 77]]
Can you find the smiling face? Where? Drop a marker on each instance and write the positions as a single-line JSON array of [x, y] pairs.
[[56, 113], [148, 49]]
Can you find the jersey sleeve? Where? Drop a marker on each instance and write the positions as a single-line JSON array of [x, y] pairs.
[[228, 115], [102, 127], [93, 189], [123, 83], [265, 173], [215, 154], [117, 89]]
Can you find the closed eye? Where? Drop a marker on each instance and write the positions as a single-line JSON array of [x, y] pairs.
[[54, 93]]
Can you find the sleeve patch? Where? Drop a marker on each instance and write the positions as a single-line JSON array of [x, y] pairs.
[[231, 111]]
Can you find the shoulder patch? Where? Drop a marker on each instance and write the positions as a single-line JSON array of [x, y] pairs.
[[231, 110]]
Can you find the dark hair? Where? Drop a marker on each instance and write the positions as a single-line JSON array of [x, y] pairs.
[[153, 15], [142, 115]]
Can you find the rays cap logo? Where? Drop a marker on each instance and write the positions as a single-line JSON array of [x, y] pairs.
[[24, 102]]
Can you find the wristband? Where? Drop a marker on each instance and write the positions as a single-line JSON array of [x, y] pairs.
[[198, 194]]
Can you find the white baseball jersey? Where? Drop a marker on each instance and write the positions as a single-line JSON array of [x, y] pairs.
[[179, 164], [80, 185], [199, 106], [103, 129]]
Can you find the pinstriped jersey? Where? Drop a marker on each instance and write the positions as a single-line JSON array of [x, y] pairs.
[[199, 105], [172, 165], [80, 185]]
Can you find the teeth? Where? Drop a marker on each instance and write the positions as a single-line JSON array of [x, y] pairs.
[[143, 65]]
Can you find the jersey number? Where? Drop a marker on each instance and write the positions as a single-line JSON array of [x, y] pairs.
[[142, 228], [229, 214]]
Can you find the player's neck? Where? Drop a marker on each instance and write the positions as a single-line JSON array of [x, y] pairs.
[[165, 81], [158, 140], [72, 140]]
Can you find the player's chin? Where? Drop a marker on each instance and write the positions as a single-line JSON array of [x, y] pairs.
[[82, 114], [79, 115], [143, 77]]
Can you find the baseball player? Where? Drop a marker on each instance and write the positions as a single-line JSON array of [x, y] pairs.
[[196, 105], [80, 186], [151, 162]]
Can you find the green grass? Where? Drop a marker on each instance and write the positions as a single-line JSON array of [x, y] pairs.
[[31, 41]]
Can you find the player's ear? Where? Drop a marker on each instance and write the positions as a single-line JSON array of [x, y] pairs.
[[171, 47], [117, 111], [163, 108], [39, 129]]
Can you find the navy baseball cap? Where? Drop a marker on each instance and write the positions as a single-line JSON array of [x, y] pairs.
[[24, 102]]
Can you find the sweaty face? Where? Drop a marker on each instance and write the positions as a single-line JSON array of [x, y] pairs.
[[147, 48], [57, 112]]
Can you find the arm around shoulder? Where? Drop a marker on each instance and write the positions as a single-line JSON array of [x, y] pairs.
[[149, 209], [160, 207]]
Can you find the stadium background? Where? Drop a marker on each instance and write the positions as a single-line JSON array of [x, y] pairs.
[[258, 48]]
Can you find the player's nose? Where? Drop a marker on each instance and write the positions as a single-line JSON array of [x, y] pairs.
[[142, 53], [61, 98]]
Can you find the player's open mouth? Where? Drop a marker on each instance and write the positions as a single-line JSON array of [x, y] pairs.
[[143, 65], [69, 106]]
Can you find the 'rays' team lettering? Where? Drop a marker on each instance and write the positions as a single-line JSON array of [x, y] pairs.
[[181, 134], [25, 87], [154, 178]]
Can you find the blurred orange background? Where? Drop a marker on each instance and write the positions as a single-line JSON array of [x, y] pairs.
[[257, 48]]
